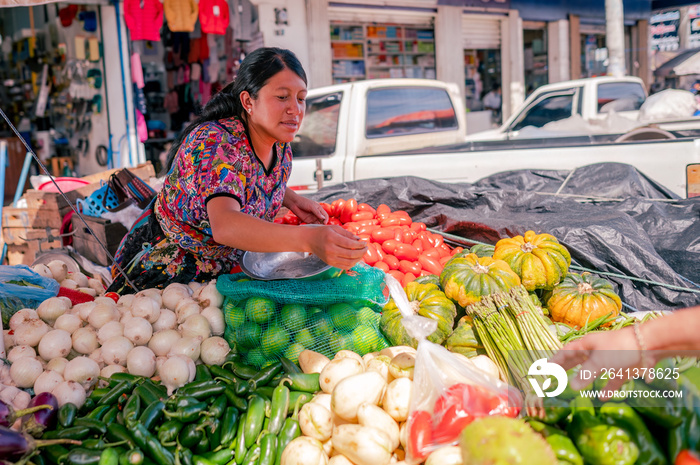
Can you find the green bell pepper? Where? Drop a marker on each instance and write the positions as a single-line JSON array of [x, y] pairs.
[[600, 443], [624, 416], [562, 446]]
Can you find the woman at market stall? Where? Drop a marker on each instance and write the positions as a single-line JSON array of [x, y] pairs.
[[638, 346], [226, 182]]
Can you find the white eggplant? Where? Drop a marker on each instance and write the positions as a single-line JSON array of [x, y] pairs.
[[304, 451], [316, 421], [397, 398], [448, 455], [362, 445], [354, 391], [375, 417], [336, 371], [312, 362]]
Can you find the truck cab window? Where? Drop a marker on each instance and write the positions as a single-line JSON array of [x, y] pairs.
[[620, 96], [408, 110], [550, 108], [319, 129]]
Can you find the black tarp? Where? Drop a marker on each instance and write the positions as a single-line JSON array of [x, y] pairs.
[[612, 219]]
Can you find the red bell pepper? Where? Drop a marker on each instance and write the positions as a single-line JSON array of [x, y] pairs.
[[687, 457], [419, 434]]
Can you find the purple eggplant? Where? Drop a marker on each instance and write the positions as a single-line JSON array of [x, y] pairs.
[[16, 444], [8, 415], [36, 422]]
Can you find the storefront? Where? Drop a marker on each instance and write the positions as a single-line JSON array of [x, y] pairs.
[[481, 37], [61, 68], [535, 55]]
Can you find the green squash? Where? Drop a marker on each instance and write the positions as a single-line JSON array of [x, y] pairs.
[[428, 279], [463, 340], [426, 300], [467, 279], [482, 250]]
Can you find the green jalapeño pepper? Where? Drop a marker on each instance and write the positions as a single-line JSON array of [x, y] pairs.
[[265, 375], [150, 445], [109, 457], [132, 408], [279, 408], [600, 443], [254, 419], [168, 431], [624, 416], [187, 414], [562, 446], [190, 435], [229, 424], [202, 373], [67, 414], [152, 414], [217, 408], [268, 449], [290, 431], [307, 382]]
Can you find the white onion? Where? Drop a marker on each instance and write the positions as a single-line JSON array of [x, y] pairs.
[[115, 350], [31, 332], [82, 370], [166, 320], [84, 340], [84, 309], [20, 351], [152, 293], [46, 381], [101, 315], [96, 284], [216, 320], [59, 270], [174, 373], [110, 330], [210, 297], [195, 326], [66, 300], [5, 378], [25, 371], [57, 364], [126, 316], [69, 391], [187, 346], [141, 361], [78, 277], [174, 293], [50, 309], [126, 300], [56, 343], [146, 307], [68, 322], [108, 371], [162, 341], [185, 309], [8, 339], [195, 287], [21, 316], [214, 350], [42, 270], [88, 290], [138, 331], [69, 284], [96, 355], [9, 394]]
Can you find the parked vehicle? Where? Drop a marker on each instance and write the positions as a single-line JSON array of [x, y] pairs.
[[407, 127], [588, 106]]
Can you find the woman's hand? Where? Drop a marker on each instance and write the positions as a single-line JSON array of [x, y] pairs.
[[307, 210], [335, 246]]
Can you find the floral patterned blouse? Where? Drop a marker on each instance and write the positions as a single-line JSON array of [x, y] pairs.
[[216, 159]]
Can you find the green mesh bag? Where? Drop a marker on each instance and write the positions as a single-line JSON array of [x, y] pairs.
[[269, 319]]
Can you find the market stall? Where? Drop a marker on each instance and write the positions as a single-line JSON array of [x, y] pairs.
[[421, 354]]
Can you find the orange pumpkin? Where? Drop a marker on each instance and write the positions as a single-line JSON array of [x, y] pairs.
[[582, 298]]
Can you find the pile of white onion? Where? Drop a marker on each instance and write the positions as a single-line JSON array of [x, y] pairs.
[[64, 349]]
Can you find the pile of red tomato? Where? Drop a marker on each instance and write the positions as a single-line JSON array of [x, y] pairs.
[[395, 243]]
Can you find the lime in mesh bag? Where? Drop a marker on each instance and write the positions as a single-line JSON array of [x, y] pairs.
[[269, 319]]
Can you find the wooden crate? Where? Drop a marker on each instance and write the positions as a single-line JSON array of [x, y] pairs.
[[33, 218], [19, 236], [25, 254], [108, 233]]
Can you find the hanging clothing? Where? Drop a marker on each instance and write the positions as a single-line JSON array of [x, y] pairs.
[[172, 240], [181, 15], [214, 16], [144, 19]]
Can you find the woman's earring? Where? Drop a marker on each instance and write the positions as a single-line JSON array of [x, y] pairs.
[[248, 110]]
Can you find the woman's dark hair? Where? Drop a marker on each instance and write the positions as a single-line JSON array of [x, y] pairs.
[[255, 70]]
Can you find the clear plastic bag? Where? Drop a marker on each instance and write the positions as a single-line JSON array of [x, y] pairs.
[[20, 287], [448, 391]]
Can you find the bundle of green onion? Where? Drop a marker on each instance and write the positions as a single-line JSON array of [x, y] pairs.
[[514, 332]]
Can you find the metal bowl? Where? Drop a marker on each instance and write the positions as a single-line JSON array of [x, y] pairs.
[[286, 265]]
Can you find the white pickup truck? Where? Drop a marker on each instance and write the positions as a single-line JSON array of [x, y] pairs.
[[409, 127], [598, 105]]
